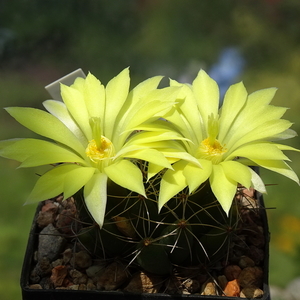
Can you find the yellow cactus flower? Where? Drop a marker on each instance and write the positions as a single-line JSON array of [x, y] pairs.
[[226, 141], [94, 138]]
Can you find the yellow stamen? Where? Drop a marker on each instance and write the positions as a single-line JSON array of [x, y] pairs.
[[211, 150], [98, 154]]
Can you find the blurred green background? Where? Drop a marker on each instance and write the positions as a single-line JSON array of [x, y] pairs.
[[41, 41]]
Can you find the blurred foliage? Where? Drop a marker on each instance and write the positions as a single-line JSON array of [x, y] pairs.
[[149, 34], [41, 41]]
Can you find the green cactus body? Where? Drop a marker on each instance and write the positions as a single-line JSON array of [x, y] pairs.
[[113, 241], [212, 246], [152, 257], [189, 229], [178, 241], [87, 237]]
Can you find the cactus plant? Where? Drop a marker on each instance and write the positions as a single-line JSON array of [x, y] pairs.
[[155, 173]]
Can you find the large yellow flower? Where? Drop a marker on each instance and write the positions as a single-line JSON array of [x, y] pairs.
[[93, 138], [226, 141]]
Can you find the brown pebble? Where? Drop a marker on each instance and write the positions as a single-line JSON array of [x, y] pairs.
[[232, 289], [251, 277], [47, 214], [81, 260], [143, 283], [35, 287], [82, 287], [73, 287], [57, 262], [43, 267], [113, 276], [257, 239], [245, 262], [90, 286], [65, 220], [67, 255], [58, 275], [222, 281], [256, 254], [232, 272], [209, 288], [173, 285], [251, 292], [78, 277], [191, 285]]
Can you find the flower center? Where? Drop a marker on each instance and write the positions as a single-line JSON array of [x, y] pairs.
[[211, 148], [99, 152]]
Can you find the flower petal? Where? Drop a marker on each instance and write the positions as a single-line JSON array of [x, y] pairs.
[[234, 100], [46, 125], [264, 151], [262, 97], [224, 188], [34, 152], [94, 97], [262, 132], [6, 143], [95, 196], [150, 108], [257, 182], [153, 169], [278, 166], [206, 92], [116, 93], [140, 91], [237, 172], [172, 182], [76, 179], [75, 103], [189, 113], [195, 176], [287, 134], [150, 155], [60, 111], [253, 115], [51, 184], [127, 175]]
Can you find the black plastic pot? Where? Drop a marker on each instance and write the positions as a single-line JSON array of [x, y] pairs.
[[54, 294]]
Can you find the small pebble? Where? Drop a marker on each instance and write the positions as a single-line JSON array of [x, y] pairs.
[[50, 244], [43, 267], [81, 260], [245, 262], [67, 255], [65, 220], [90, 286], [209, 288], [47, 214], [35, 286], [57, 262], [251, 277], [232, 272], [232, 289], [78, 277], [143, 283], [58, 275], [173, 285], [94, 270], [73, 287], [192, 285], [113, 277], [222, 281], [251, 292]]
